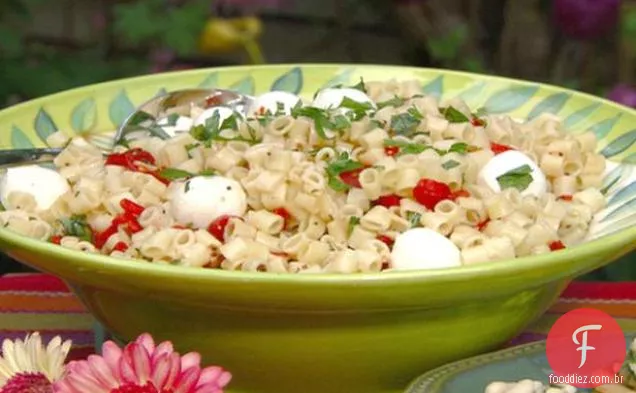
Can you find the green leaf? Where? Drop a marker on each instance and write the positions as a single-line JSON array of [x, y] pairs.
[[602, 128], [454, 116], [340, 79], [407, 147], [341, 165], [580, 115], [77, 226], [244, 86], [19, 140], [472, 93], [174, 174], [394, 102], [450, 164], [552, 104], [120, 108], [291, 81], [44, 125], [318, 115], [84, 116], [435, 87], [210, 81], [519, 178], [413, 218], [620, 144], [509, 99], [353, 221]]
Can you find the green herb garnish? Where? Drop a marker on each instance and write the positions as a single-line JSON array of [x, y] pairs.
[[360, 86], [172, 119], [207, 172], [519, 178], [459, 147], [413, 218], [140, 117], [186, 186], [340, 122], [342, 164], [318, 115], [77, 226], [450, 164], [174, 174], [454, 116], [211, 131], [407, 147], [394, 102], [406, 123], [353, 221], [358, 109]]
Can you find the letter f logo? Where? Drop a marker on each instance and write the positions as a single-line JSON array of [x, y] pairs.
[[584, 347]]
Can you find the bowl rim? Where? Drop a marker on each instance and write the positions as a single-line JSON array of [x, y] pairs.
[[624, 240]]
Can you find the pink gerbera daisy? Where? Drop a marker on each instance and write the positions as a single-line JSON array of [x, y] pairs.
[[142, 367]]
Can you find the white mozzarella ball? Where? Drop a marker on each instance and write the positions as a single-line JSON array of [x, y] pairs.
[[507, 161], [182, 124], [202, 199], [270, 101], [333, 97], [423, 248], [46, 185], [224, 114]]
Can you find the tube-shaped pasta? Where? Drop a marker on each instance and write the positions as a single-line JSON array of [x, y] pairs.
[[461, 233], [591, 197], [594, 164], [266, 221], [474, 210], [451, 210], [359, 237], [313, 227], [437, 222], [343, 262], [552, 165], [296, 244], [378, 219], [564, 185], [498, 206], [315, 253], [587, 141], [368, 260], [371, 182], [238, 228], [235, 249]]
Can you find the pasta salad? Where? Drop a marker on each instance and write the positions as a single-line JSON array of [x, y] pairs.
[[368, 178]]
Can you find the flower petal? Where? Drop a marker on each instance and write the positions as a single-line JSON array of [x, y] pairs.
[[192, 359], [126, 368], [215, 374], [84, 383], [208, 388], [140, 362], [147, 342], [187, 380], [102, 373], [112, 355], [164, 347], [161, 371], [175, 370]]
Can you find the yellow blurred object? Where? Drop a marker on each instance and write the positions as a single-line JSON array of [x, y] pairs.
[[229, 35]]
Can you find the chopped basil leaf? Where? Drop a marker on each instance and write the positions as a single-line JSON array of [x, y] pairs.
[[207, 172], [342, 164], [519, 178], [191, 146], [230, 123], [319, 116], [358, 109], [450, 164], [174, 174], [394, 102], [480, 112], [406, 147], [413, 218], [459, 147], [77, 226], [187, 186], [211, 131], [377, 123], [172, 119], [353, 221], [157, 131], [454, 116], [140, 117], [360, 86], [280, 109], [340, 122], [407, 122]]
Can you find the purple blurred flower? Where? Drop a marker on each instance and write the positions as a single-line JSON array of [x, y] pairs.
[[586, 19], [623, 94]]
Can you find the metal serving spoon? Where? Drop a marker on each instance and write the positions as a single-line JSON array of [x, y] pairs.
[[143, 119]]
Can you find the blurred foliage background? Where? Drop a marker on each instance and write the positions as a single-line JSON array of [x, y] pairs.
[[588, 45]]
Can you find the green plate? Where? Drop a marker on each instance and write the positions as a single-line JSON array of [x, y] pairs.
[[473, 375]]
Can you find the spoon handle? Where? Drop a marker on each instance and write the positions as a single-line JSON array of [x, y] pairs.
[[19, 157]]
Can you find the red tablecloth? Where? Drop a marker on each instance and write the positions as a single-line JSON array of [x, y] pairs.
[[30, 302]]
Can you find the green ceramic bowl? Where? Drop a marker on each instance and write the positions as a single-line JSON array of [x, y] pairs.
[[331, 333]]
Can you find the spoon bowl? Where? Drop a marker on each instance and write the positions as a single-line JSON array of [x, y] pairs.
[[142, 120]]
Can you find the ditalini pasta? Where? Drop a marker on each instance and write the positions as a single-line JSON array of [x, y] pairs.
[[369, 178]]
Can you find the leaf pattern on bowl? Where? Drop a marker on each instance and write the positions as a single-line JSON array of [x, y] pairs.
[[44, 125], [552, 104], [84, 116], [612, 124], [291, 81], [19, 140], [244, 86], [120, 108], [434, 88]]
